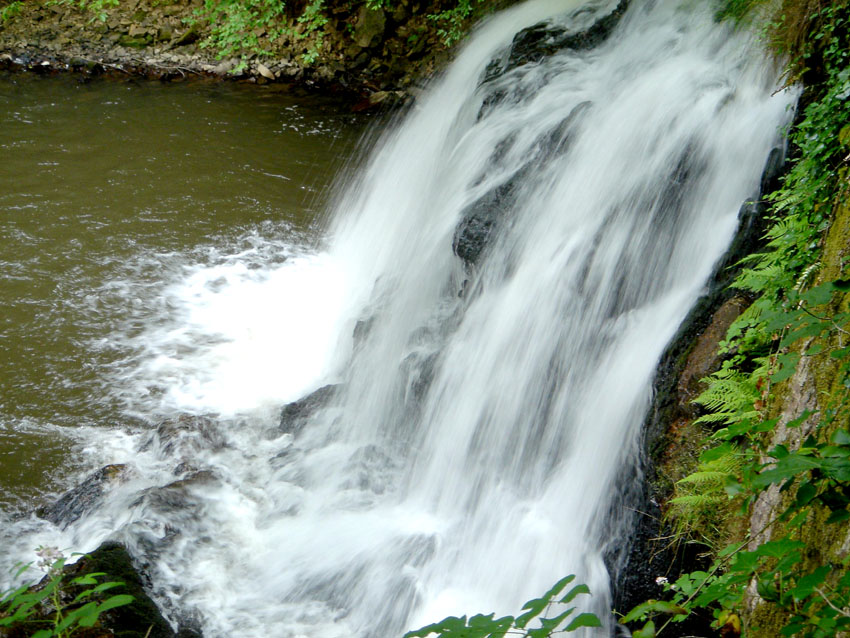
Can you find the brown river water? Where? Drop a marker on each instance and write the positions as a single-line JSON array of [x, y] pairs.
[[107, 189]]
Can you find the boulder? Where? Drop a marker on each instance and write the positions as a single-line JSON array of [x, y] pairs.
[[110, 562], [370, 27], [141, 618]]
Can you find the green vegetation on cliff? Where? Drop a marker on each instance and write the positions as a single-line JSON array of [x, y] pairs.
[[779, 459], [248, 28]]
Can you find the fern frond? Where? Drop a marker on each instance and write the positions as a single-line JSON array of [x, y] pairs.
[[694, 502], [704, 479], [729, 398]]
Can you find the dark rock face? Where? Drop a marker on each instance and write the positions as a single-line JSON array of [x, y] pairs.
[[76, 502], [479, 223], [294, 416], [536, 42]]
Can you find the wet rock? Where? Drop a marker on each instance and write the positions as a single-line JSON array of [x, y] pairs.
[[704, 358], [294, 416], [176, 497], [362, 329], [541, 40], [419, 368], [384, 99], [74, 504], [185, 436], [371, 469], [479, 223]]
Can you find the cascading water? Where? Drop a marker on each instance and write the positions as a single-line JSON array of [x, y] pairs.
[[467, 455]]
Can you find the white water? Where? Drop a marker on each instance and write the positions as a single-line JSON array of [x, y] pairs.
[[472, 458]]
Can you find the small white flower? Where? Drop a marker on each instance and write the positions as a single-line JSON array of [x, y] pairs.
[[48, 556], [661, 580]]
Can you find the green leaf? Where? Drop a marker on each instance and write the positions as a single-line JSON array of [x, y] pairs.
[[558, 587], [838, 516], [575, 591], [779, 548], [548, 625], [647, 631], [654, 607], [536, 606], [779, 452], [21, 569], [446, 625], [716, 453], [85, 579], [812, 329], [805, 493], [491, 628], [767, 590], [788, 365], [807, 584], [75, 616], [583, 620], [118, 600], [819, 295]]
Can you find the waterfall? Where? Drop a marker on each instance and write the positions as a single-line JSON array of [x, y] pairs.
[[498, 285]]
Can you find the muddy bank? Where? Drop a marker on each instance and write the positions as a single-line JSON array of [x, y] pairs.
[[378, 55]]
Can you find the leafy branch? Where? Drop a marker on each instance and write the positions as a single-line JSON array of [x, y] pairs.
[[487, 626], [50, 608]]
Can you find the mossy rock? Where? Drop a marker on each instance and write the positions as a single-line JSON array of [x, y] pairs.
[[135, 41], [139, 619]]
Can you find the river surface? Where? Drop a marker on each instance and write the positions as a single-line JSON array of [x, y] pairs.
[[109, 191]]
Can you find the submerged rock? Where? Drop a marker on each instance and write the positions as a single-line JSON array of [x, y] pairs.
[[185, 436]]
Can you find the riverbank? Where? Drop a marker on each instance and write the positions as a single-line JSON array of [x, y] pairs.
[[376, 54]]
